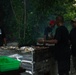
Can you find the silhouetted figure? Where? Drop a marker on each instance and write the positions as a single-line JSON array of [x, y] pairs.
[[2, 32], [73, 42], [2, 37], [62, 49], [48, 33]]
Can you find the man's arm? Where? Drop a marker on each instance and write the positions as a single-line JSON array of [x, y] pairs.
[[53, 41]]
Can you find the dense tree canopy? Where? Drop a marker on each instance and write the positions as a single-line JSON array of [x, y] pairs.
[[25, 20]]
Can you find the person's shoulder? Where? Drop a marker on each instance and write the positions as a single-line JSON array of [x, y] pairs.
[[58, 29], [64, 28], [73, 30]]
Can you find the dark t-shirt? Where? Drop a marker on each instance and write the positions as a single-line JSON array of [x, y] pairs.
[[48, 32], [73, 41], [62, 47]]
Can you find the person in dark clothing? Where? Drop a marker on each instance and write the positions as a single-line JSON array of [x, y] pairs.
[[62, 49], [48, 33], [73, 42], [2, 37], [2, 32]]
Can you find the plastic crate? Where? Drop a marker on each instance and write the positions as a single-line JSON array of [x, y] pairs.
[[7, 64]]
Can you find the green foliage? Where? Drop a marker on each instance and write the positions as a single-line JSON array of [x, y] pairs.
[[27, 22], [18, 9]]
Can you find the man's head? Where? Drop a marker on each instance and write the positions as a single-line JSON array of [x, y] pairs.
[[52, 23], [73, 22], [59, 20]]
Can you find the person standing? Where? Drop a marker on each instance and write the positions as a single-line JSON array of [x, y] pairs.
[[48, 33], [2, 37], [73, 42], [62, 49], [2, 32]]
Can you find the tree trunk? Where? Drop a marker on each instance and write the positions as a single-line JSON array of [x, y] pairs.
[[25, 18]]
